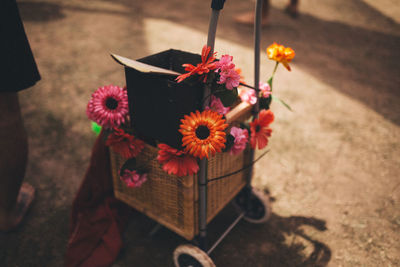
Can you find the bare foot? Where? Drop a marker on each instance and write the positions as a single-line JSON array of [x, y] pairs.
[[13, 220], [248, 19], [292, 10]]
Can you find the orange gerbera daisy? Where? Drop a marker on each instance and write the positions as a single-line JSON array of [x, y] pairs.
[[281, 54], [203, 133], [176, 161], [207, 64], [259, 129]]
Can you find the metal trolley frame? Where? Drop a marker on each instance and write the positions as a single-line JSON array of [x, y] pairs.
[[253, 205]]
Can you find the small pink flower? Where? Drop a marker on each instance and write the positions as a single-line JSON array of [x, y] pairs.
[[133, 178], [228, 75], [225, 63], [230, 78], [217, 106], [249, 96], [241, 139], [265, 89], [108, 106]]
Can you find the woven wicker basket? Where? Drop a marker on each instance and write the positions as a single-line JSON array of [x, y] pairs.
[[173, 201]]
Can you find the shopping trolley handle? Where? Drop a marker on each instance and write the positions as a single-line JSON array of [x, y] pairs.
[[217, 4]]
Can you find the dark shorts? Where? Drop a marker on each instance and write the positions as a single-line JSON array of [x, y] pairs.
[[18, 68]]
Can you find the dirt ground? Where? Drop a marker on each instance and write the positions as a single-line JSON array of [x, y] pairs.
[[333, 170]]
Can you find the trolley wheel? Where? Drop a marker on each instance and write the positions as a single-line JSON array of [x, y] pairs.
[[191, 256], [256, 207]]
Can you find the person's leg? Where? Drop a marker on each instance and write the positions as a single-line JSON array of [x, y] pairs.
[[13, 159], [248, 18]]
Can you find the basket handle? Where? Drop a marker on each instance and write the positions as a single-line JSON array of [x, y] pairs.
[[243, 110]]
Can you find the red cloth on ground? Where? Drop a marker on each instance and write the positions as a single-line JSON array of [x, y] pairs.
[[97, 218]]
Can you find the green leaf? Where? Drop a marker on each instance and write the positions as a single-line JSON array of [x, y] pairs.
[[265, 102], [96, 128], [230, 140], [245, 125], [228, 97], [282, 102], [270, 80]]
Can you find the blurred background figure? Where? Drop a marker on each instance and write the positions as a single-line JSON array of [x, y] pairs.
[[18, 71], [248, 17]]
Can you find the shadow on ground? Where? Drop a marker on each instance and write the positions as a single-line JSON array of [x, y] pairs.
[[279, 242], [40, 11]]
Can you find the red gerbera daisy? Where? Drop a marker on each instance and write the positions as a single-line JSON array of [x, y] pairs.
[[207, 64], [108, 106], [176, 162], [124, 144], [259, 129]]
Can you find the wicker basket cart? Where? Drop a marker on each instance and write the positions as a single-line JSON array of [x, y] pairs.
[[186, 204]]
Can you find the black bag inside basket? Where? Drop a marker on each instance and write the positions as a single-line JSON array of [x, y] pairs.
[[157, 102]]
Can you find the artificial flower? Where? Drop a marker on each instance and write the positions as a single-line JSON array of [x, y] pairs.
[[225, 63], [176, 162], [203, 133], [108, 106], [265, 89], [241, 137], [281, 54], [260, 130], [217, 106], [124, 143], [230, 78], [207, 64], [228, 75], [133, 178], [248, 95]]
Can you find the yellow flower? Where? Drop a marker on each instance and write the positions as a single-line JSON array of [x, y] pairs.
[[281, 54], [203, 133]]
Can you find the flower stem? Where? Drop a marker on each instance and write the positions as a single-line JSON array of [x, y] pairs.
[[272, 76], [276, 66]]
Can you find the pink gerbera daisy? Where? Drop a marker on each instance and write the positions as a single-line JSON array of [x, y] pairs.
[[241, 137], [133, 178], [176, 162], [108, 106]]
